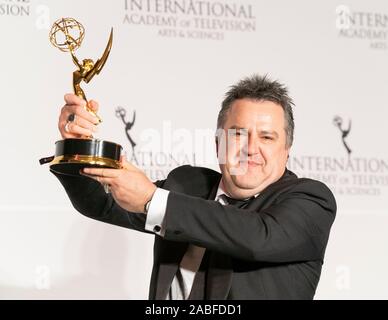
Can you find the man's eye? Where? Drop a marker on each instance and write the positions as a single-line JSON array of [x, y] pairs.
[[237, 133], [268, 138]]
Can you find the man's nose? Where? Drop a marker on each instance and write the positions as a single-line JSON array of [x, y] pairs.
[[253, 145]]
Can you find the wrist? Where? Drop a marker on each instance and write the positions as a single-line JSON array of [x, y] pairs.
[[148, 201], [146, 206]]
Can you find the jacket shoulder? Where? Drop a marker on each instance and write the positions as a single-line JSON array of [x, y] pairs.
[[313, 189], [313, 185]]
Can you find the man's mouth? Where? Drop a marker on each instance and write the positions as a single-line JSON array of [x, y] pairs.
[[250, 163], [253, 163]]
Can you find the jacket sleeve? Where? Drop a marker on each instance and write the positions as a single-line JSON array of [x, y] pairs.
[[89, 198], [295, 228]]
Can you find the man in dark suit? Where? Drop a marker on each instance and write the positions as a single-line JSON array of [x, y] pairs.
[[255, 231]]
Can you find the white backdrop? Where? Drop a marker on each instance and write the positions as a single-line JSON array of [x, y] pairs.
[[172, 69]]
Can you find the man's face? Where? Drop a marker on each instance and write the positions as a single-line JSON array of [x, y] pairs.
[[254, 147]]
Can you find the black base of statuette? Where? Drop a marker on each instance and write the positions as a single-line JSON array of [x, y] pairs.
[[72, 155]]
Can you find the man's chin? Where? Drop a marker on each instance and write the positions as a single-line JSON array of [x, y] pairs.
[[247, 183]]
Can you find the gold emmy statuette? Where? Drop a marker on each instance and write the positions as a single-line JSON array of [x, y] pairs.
[[71, 155]]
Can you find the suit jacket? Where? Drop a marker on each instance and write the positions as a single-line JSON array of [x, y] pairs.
[[272, 249]]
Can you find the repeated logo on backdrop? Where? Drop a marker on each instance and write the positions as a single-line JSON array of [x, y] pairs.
[[191, 19], [370, 27], [156, 163], [19, 8], [338, 122], [348, 175]]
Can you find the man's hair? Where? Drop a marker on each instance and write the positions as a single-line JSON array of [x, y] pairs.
[[260, 88]]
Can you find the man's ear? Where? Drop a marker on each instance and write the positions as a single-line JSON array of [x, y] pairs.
[[216, 140], [288, 152]]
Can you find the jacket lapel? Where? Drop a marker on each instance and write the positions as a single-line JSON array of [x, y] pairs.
[[219, 274], [173, 252]]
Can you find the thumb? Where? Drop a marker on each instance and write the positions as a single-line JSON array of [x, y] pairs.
[[94, 105], [124, 162]]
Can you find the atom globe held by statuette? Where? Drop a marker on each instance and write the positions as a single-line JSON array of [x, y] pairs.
[[67, 34]]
